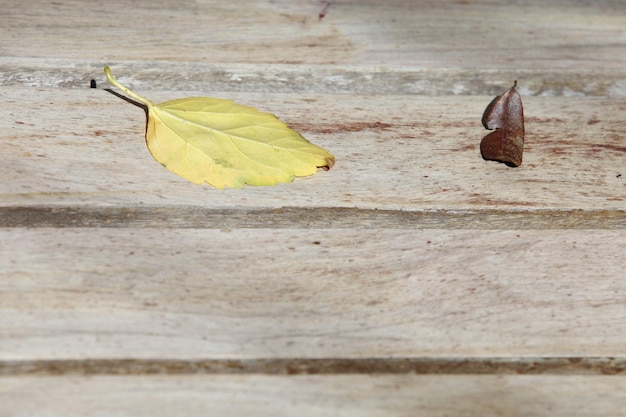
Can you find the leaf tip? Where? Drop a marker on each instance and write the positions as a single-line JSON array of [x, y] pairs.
[[107, 72], [330, 162]]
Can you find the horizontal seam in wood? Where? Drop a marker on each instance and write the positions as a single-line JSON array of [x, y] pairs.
[[323, 366], [306, 218]]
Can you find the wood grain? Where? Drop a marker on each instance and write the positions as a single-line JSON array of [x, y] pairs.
[[194, 77], [430, 34], [338, 395], [393, 152], [257, 293], [413, 278]]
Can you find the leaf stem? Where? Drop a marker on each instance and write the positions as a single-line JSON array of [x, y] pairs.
[[113, 81]]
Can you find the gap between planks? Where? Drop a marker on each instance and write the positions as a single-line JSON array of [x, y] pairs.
[[306, 217], [325, 366]]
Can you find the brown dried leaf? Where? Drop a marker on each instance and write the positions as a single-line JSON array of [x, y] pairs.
[[505, 114]]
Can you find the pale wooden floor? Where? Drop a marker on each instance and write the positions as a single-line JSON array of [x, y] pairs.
[[413, 278]]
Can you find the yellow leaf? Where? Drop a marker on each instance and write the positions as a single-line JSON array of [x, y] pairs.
[[224, 144]]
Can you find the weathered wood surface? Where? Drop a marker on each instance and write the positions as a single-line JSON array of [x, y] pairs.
[[193, 77], [400, 152], [414, 277], [429, 34], [242, 293], [337, 395]]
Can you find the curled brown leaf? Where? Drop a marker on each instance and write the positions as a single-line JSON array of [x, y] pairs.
[[505, 114]]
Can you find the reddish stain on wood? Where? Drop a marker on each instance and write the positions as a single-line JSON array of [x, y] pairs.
[[341, 127], [324, 10]]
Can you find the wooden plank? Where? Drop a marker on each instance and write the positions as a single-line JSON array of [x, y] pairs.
[[321, 293], [71, 147], [412, 278], [337, 395], [432, 34]]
